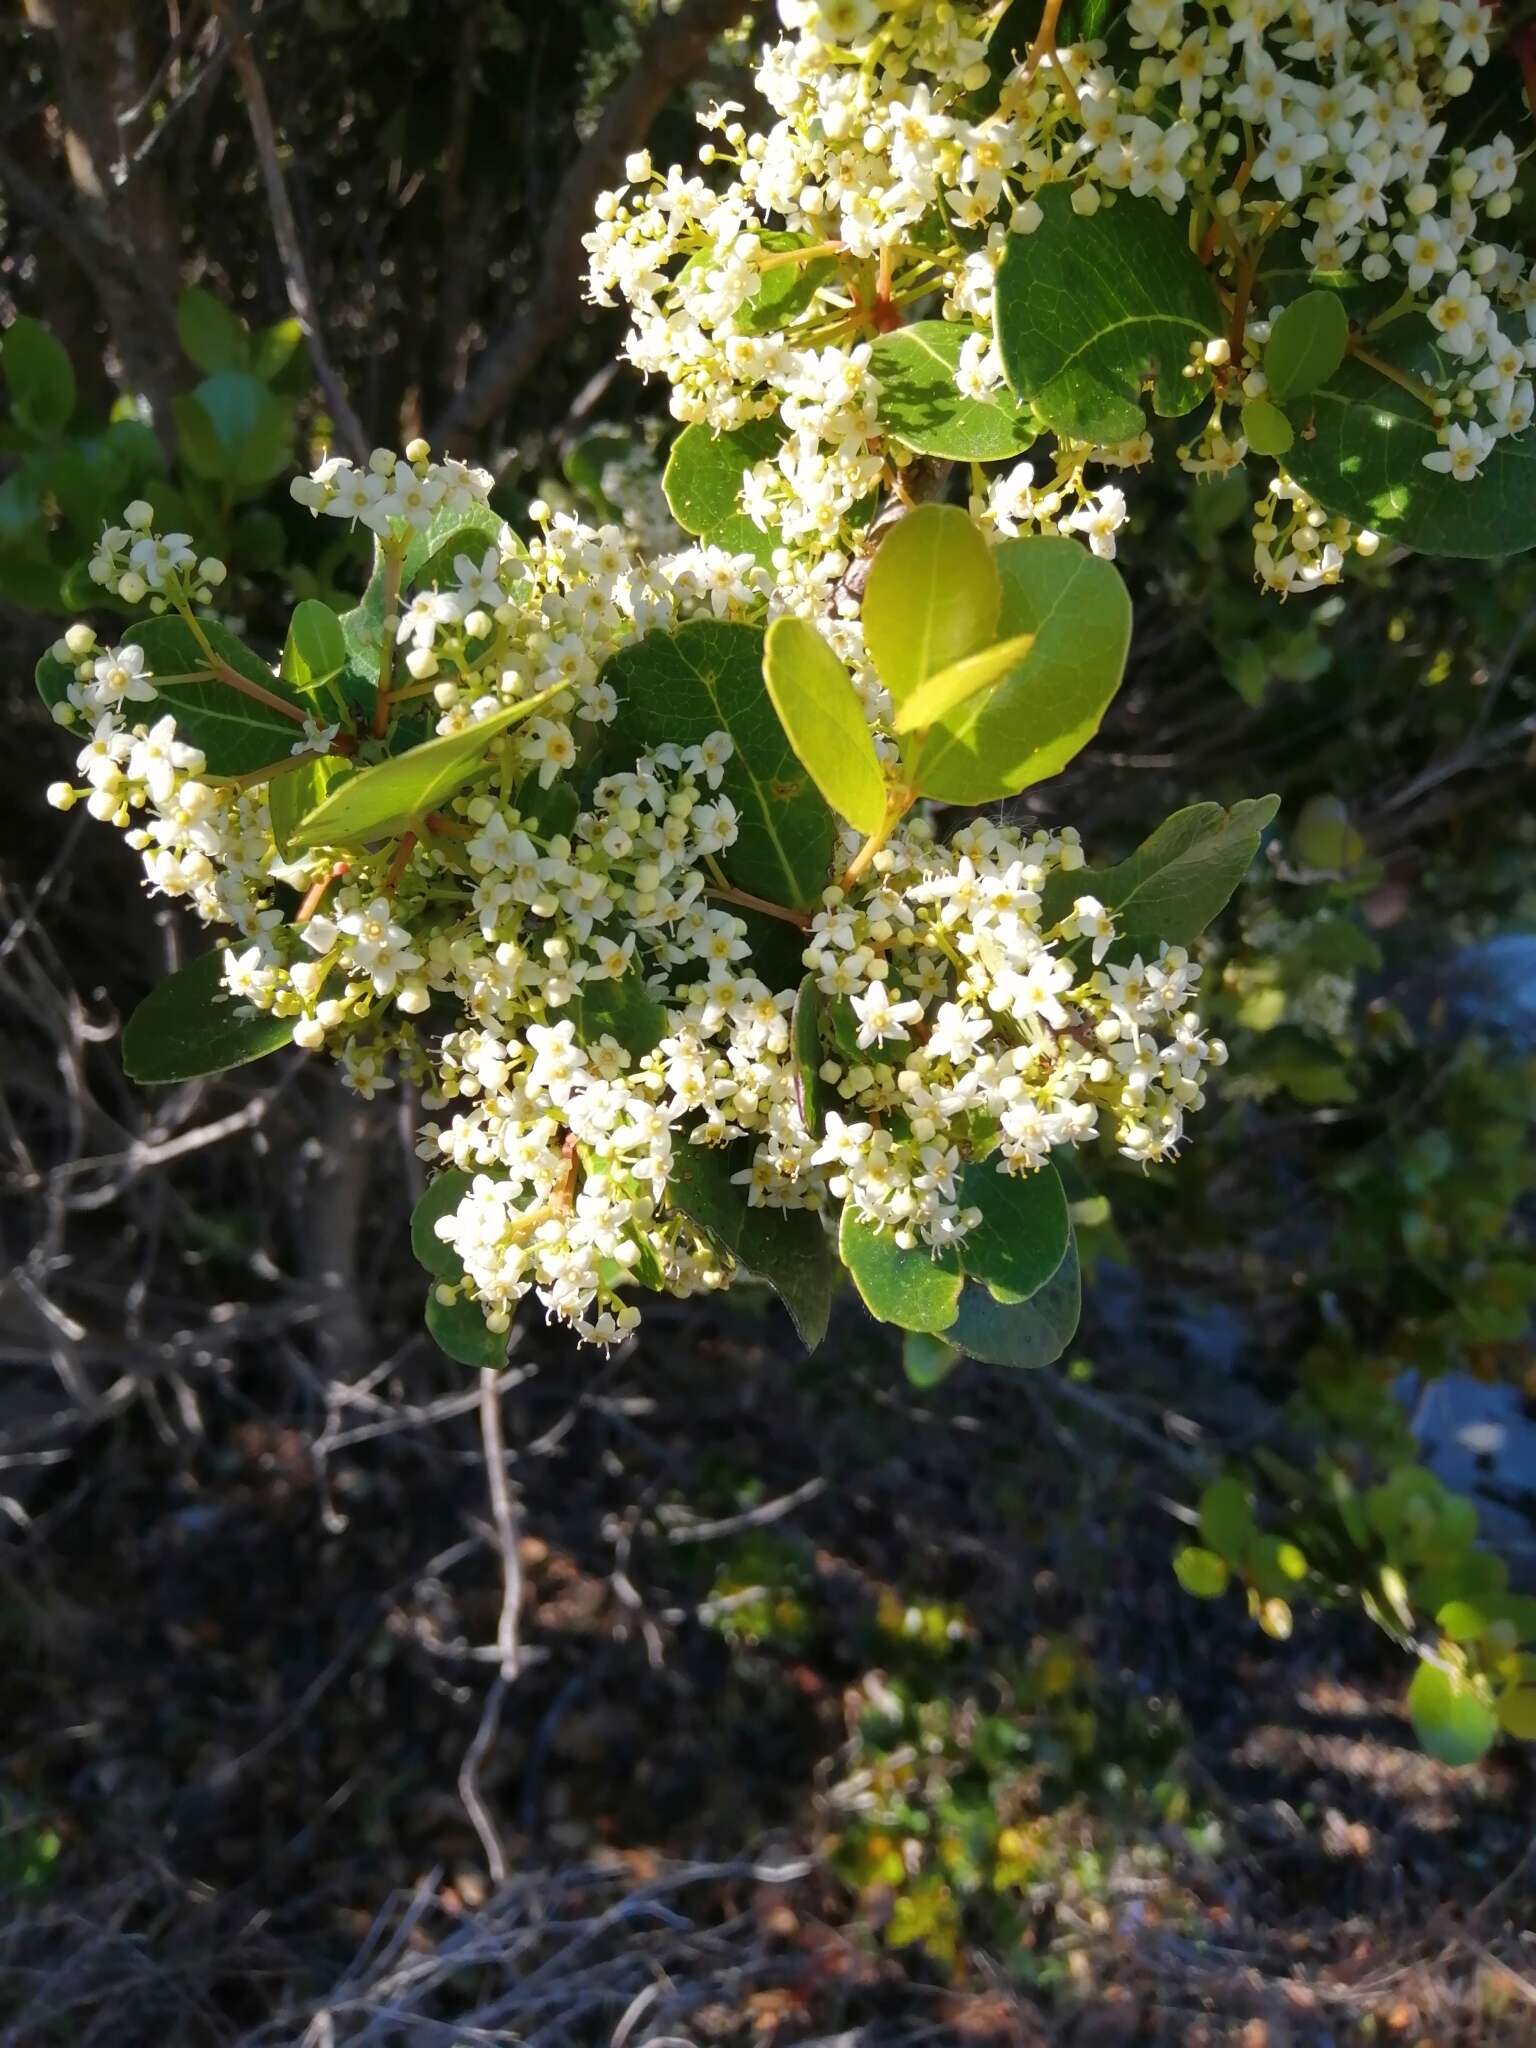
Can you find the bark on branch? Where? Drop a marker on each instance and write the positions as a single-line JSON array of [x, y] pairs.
[[675, 49]]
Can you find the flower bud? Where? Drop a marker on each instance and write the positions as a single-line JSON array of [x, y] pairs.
[[61, 796], [80, 639], [131, 588], [140, 515]]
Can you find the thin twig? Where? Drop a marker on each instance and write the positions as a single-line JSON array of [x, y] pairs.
[[349, 428], [504, 1519]]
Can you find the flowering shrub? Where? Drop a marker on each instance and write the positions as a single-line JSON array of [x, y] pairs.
[[637, 895], [666, 867], [967, 230]]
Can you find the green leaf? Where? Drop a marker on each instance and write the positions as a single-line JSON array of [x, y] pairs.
[[1517, 1713], [1200, 1572], [213, 336], [451, 532], [1306, 345], [1453, 1722], [624, 1010], [236, 734], [912, 1289], [53, 679], [932, 597], [260, 541], [459, 1329], [234, 430], [1093, 310], [1177, 880], [444, 1193], [315, 651], [805, 1049], [1324, 837], [1461, 1621], [298, 790], [785, 289], [1026, 1334], [927, 1360], [788, 1248], [274, 349], [931, 702], [922, 407], [1266, 428], [1078, 612], [824, 721], [1023, 1233], [1226, 1518], [189, 1027], [678, 688], [379, 802], [39, 378], [702, 483], [1361, 454]]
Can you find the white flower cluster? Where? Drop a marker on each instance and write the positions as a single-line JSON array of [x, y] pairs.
[[498, 957], [957, 1029], [898, 167]]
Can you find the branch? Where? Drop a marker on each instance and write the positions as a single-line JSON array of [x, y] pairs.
[[675, 49], [508, 1644], [32, 199], [349, 428]]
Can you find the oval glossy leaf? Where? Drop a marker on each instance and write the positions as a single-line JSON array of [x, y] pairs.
[[1266, 428], [53, 679], [678, 688], [922, 407], [236, 734], [912, 1289], [1094, 310], [377, 802], [1077, 612], [234, 429], [623, 1010], [1177, 880], [788, 1248], [459, 1329], [211, 334], [38, 377], [824, 721], [1454, 1724], [1023, 1233], [191, 1026], [1201, 1572], [1226, 1517], [702, 483], [444, 1193], [931, 702], [927, 1360], [932, 596], [297, 791], [316, 648], [1306, 344], [784, 289], [1360, 452], [1024, 1334]]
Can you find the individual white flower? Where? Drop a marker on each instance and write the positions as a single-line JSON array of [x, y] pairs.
[[1463, 453], [158, 758]]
